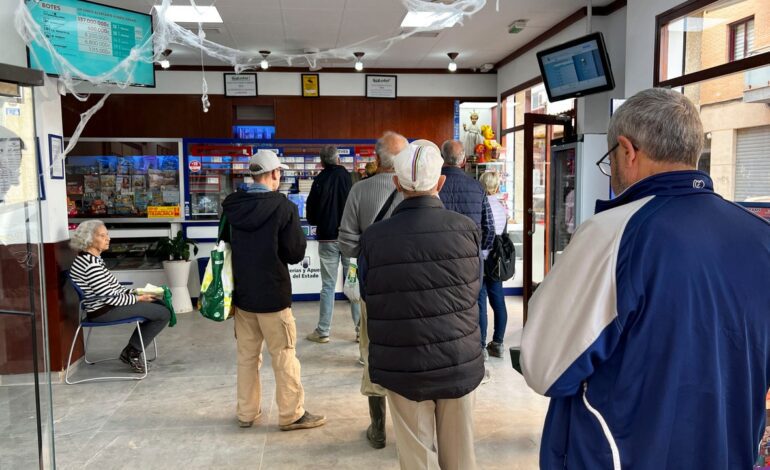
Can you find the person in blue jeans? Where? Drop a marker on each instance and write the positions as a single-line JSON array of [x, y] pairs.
[[325, 205], [491, 288]]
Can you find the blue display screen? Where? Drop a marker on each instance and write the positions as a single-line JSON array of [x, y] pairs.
[[254, 132], [93, 38]]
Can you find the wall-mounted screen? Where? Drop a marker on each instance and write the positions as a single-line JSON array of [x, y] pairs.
[[576, 68], [93, 38]]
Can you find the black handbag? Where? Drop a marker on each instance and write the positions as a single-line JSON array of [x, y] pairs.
[[500, 264]]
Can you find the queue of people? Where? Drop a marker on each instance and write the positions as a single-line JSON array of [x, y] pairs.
[[651, 333]]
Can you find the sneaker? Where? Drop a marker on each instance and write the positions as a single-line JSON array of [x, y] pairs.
[[133, 358], [316, 338], [248, 424], [307, 421], [495, 349], [486, 354], [487, 376]]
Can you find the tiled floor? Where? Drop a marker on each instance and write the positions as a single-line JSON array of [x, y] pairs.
[[182, 416]]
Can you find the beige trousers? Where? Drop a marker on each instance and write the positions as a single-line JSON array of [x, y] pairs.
[[367, 387], [280, 333], [434, 434]]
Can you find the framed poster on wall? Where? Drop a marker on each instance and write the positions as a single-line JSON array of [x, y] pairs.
[[240, 84], [310, 85], [55, 162], [382, 86]]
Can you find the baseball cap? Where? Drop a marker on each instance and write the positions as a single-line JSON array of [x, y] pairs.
[[418, 167], [264, 161]]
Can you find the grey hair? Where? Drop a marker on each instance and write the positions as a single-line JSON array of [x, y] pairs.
[[491, 181], [388, 146], [329, 155], [452, 152], [83, 237], [663, 123]]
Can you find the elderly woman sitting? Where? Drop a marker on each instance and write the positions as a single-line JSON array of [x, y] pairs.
[[92, 277]]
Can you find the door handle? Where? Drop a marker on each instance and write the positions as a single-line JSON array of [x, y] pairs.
[[534, 227]]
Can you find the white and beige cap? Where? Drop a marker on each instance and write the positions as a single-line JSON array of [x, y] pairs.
[[264, 161], [418, 166]]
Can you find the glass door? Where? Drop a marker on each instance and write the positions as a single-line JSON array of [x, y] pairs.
[[539, 130], [26, 424]]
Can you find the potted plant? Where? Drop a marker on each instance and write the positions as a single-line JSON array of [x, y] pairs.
[[176, 255]]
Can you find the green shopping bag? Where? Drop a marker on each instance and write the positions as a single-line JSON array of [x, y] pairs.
[[215, 300]]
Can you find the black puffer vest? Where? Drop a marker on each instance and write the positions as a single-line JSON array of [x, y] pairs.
[[420, 272]]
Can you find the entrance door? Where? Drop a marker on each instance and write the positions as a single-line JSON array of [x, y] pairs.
[[539, 130], [26, 424]]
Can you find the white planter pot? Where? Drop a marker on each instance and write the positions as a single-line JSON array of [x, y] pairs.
[[177, 273]]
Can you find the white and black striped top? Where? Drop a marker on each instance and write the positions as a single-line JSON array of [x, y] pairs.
[[95, 280]]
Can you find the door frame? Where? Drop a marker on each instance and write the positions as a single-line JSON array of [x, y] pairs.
[[530, 121]]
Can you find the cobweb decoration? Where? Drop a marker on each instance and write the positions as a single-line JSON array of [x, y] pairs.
[[167, 33]]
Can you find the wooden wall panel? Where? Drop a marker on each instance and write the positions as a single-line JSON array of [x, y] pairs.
[[387, 117], [293, 118], [331, 118], [354, 117]]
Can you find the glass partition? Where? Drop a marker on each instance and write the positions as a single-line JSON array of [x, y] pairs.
[[26, 423]]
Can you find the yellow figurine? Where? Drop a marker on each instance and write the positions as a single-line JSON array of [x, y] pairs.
[[489, 140]]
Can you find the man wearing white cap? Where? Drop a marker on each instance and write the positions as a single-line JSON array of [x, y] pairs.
[[419, 273], [266, 236]]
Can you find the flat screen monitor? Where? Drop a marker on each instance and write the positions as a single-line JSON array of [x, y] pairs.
[[94, 38], [576, 68]]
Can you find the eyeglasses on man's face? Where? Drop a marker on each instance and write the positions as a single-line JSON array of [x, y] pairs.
[[604, 162]]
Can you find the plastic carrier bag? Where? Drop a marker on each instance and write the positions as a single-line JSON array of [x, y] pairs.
[[216, 298], [350, 287]]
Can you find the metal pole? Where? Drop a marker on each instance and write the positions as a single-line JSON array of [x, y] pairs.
[[588, 17]]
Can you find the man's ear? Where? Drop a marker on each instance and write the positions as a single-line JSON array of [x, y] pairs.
[[440, 184], [398, 186], [626, 154]]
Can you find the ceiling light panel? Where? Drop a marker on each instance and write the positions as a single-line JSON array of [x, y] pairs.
[[430, 19], [191, 14]]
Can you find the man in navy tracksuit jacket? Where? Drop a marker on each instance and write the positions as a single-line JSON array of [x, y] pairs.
[[652, 331]]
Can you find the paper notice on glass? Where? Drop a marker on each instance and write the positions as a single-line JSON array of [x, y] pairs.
[[10, 164], [171, 196]]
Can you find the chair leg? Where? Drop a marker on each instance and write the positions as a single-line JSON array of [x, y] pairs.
[[144, 352], [99, 379], [85, 345], [69, 359], [155, 345]]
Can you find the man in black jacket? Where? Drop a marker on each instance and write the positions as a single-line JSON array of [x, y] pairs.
[[325, 205], [265, 236], [420, 275]]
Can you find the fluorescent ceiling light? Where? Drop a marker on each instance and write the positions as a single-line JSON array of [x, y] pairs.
[[191, 14], [430, 19]]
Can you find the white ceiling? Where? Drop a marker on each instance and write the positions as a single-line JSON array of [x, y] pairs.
[[290, 26]]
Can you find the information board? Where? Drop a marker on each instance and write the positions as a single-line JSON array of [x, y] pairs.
[[93, 38]]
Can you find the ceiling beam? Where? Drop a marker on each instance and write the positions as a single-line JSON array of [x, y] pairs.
[[227, 68]]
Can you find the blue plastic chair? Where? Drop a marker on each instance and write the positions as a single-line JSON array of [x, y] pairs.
[[84, 323]]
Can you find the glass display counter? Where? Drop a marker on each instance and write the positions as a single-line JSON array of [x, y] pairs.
[[129, 180]]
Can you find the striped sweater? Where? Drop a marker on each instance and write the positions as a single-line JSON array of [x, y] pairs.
[[92, 277]]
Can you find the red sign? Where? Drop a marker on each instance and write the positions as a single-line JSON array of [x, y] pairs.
[[364, 150], [195, 166], [763, 212], [199, 150]]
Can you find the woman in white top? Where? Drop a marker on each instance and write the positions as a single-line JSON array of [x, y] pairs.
[[111, 301], [491, 288]]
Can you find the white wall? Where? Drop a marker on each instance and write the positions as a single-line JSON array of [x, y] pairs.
[[48, 120], [331, 84], [640, 41], [12, 49]]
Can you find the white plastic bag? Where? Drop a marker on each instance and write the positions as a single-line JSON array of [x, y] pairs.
[[350, 287]]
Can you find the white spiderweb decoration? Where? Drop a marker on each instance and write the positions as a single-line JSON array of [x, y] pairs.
[[167, 33]]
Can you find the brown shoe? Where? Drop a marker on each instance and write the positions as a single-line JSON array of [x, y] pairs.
[[307, 421]]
